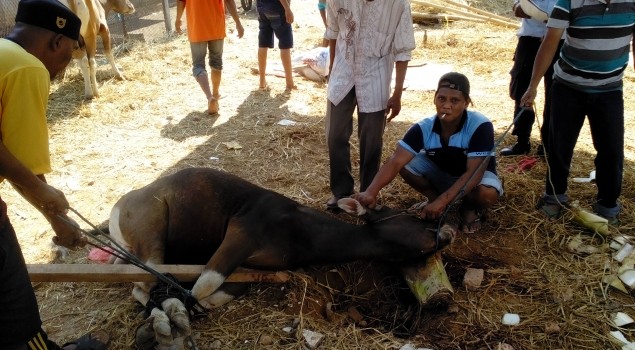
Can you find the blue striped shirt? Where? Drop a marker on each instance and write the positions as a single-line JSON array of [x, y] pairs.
[[597, 42]]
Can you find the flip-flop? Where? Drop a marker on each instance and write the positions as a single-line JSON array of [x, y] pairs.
[[91, 341], [472, 225]]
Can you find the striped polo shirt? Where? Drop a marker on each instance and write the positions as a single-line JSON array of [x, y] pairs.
[[597, 42]]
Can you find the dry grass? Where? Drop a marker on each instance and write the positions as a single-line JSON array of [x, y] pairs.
[[154, 124]]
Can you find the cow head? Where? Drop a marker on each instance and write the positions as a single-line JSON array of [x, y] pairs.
[[405, 226]]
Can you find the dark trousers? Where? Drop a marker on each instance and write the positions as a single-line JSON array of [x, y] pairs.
[[19, 314], [339, 128], [605, 111], [524, 58]]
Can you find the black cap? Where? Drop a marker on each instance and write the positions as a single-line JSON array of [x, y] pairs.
[[51, 15], [455, 81]]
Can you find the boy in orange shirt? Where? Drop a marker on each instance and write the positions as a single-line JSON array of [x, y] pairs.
[[206, 31]]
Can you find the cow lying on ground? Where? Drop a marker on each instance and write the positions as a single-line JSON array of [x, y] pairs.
[[206, 216], [93, 17]]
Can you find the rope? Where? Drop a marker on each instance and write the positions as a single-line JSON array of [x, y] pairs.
[[167, 286]]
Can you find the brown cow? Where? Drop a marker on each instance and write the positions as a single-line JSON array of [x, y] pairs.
[[206, 216], [93, 16]]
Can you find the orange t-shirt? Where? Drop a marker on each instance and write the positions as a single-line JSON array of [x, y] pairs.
[[205, 20]]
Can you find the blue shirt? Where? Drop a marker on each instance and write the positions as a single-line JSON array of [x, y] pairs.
[[475, 138]]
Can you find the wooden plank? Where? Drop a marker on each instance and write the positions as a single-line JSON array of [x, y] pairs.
[[131, 273]]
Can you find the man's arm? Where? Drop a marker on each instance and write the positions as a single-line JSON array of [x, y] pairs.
[[231, 7], [180, 7], [322, 9], [544, 57], [384, 176], [518, 11], [48, 200], [287, 11], [435, 208], [394, 102]]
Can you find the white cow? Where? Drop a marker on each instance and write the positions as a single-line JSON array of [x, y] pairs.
[[93, 16]]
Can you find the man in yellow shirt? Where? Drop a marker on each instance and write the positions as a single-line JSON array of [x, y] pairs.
[[40, 46], [206, 31]]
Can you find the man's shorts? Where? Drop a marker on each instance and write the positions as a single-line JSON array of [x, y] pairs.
[[274, 22], [421, 165]]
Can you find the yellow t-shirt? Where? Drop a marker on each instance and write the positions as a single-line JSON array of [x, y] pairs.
[[24, 91], [205, 20]]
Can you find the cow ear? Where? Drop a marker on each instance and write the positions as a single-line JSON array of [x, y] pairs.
[[351, 206]]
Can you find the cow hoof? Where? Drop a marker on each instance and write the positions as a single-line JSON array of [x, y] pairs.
[[447, 234], [144, 338]]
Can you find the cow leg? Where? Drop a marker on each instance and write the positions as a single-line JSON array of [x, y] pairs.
[[224, 294], [92, 66], [141, 230], [234, 250], [104, 32], [88, 90]]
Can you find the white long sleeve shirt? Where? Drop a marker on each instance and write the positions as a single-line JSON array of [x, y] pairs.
[[371, 37]]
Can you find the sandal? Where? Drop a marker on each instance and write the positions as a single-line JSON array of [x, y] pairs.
[[96, 340], [471, 218], [551, 210]]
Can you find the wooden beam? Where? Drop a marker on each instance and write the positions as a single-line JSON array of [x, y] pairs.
[[443, 17], [488, 17], [131, 273]]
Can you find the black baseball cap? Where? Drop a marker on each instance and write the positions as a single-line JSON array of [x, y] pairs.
[[51, 15], [455, 81]]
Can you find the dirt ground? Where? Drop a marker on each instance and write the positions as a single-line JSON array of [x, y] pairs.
[[155, 123]]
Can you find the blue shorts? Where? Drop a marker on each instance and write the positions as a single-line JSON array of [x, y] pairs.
[[421, 165], [199, 51], [272, 22]]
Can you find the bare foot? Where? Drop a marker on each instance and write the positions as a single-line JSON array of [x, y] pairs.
[[290, 88], [212, 105]]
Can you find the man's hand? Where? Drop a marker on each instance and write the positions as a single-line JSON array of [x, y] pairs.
[[518, 11], [46, 198], [289, 16], [67, 233], [432, 211], [393, 108], [365, 199], [177, 26], [240, 30], [528, 98]]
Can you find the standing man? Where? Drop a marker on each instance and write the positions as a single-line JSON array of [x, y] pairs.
[[274, 19], [37, 49], [366, 40], [587, 83], [206, 32], [530, 35]]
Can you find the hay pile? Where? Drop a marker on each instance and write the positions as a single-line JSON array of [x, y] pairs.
[[155, 123]]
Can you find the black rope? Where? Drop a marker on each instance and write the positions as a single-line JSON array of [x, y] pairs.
[[163, 291], [121, 252]]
